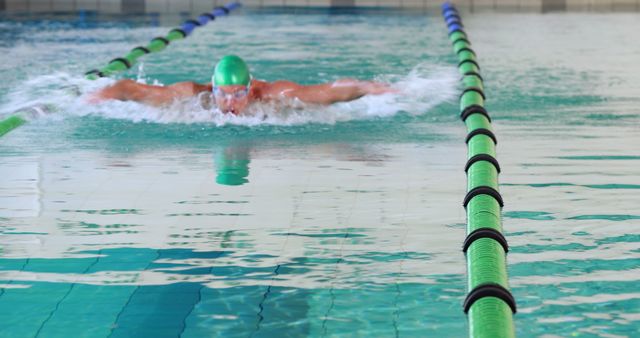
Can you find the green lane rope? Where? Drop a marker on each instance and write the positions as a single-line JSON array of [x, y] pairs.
[[120, 64], [10, 123], [489, 303], [159, 43]]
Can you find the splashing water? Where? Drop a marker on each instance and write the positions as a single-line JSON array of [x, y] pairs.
[[61, 95]]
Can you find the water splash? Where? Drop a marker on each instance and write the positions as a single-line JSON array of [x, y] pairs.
[[61, 95]]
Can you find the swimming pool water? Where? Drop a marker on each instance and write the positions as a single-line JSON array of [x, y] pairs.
[[119, 220]]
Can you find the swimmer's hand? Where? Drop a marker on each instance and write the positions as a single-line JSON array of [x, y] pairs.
[[377, 88], [95, 97]]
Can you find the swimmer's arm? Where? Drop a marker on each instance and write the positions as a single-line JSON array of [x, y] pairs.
[[328, 93], [129, 90]]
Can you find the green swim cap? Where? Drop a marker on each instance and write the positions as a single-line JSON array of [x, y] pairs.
[[231, 70]]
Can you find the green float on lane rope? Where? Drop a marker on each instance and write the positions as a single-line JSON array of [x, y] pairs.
[[10, 123], [489, 303]]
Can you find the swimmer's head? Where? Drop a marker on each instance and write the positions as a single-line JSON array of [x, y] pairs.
[[231, 70], [231, 80]]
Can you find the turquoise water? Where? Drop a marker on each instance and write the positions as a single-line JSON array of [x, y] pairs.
[[123, 220]]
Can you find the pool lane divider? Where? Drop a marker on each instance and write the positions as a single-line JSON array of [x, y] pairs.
[[120, 64], [489, 304], [10, 123], [158, 44]]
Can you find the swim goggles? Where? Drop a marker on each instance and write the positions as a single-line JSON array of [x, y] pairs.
[[238, 94]]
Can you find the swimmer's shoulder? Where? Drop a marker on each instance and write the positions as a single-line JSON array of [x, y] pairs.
[[272, 90], [259, 88], [259, 84]]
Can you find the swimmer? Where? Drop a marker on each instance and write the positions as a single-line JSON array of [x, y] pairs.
[[233, 89]]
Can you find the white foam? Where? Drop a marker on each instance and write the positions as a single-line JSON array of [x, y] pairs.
[[61, 95]]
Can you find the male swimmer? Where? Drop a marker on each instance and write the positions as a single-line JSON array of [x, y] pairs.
[[232, 89]]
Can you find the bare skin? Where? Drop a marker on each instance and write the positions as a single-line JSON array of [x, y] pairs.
[[259, 91]]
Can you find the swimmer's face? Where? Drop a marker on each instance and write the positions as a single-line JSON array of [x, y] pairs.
[[231, 99]]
